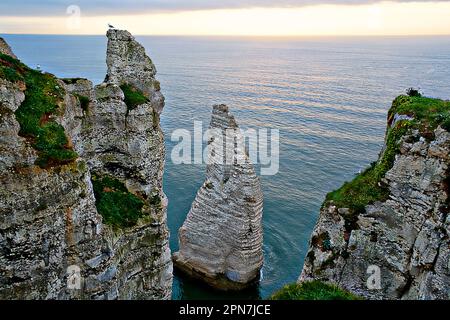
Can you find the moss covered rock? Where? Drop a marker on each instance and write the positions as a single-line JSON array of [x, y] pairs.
[[313, 290]]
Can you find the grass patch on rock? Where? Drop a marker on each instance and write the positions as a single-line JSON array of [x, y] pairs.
[[427, 113], [367, 187], [43, 98], [133, 96], [313, 290], [424, 114], [10, 74], [118, 207], [11, 69]]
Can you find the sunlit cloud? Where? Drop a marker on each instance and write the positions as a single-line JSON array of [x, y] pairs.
[[373, 18], [121, 7]]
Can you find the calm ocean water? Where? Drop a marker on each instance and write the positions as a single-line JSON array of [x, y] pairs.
[[327, 96]]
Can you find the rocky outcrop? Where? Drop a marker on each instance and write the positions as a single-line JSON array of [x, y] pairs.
[[97, 219], [397, 247], [221, 238], [125, 140], [6, 49], [14, 149], [48, 218], [128, 63]]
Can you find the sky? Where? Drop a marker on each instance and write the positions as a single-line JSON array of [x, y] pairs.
[[227, 17]]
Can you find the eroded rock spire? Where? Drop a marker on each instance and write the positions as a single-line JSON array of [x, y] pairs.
[[221, 238], [128, 63]]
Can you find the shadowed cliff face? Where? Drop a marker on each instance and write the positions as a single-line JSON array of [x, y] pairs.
[[221, 238], [397, 247], [65, 215]]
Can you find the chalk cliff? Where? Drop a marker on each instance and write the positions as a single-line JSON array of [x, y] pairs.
[[385, 235], [82, 210], [221, 238]]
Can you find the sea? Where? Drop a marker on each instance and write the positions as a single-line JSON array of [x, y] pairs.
[[327, 96]]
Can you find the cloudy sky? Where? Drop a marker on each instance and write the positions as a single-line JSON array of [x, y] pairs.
[[227, 17]]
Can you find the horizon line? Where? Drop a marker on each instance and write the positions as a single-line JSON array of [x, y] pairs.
[[241, 35]]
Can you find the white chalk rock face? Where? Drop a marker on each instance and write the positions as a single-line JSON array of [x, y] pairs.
[[128, 63], [398, 248], [221, 239], [50, 218]]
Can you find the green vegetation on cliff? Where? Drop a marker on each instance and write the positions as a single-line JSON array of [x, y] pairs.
[[427, 113], [118, 207], [43, 100], [423, 114], [133, 97], [313, 290], [7, 69]]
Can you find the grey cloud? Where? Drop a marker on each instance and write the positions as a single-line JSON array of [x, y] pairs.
[[102, 7]]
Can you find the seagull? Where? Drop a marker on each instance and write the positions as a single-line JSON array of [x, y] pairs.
[[38, 67], [111, 26]]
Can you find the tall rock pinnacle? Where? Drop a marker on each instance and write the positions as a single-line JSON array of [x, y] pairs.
[[129, 64], [221, 238], [122, 139]]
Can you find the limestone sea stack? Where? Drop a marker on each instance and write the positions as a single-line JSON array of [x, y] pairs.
[[221, 239]]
